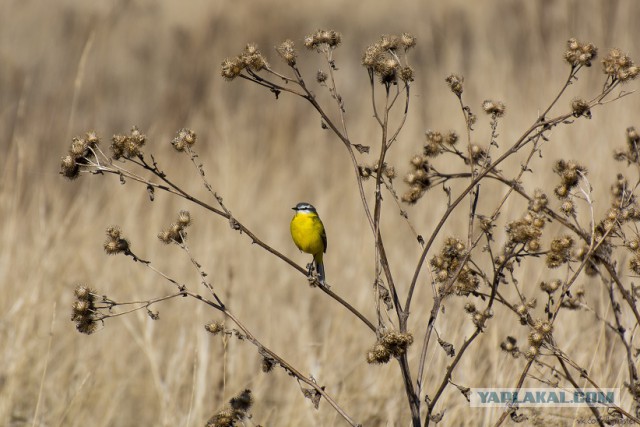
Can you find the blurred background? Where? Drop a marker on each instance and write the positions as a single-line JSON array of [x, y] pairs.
[[74, 66]]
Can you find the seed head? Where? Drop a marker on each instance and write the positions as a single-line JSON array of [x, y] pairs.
[[550, 287], [252, 58], [406, 74], [184, 218], [455, 84], [470, 308], [84, 293], [579, 53], [378, 354], [372, 56], [69, 168], [287, 52], [78, 147], [494, 108], [510, 345], [634, 264], [580, 108], [389, 42], [232, 68], [116, 246], [242, 402], [184, 138], [619, 66], [535, 338], [329, 38], [407, 40], [321, 77], [532, 353]]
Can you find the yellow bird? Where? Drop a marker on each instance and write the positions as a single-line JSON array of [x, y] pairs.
[[309, 236]]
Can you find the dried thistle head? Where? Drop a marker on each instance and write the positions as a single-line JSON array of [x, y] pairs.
[[551, 287], [579, 53], [383, 60], [477, 153], [214, 328], [252, 58], [510, 345], [390, 343], [83, 310], [494, 108], [176, 233], [287, 52], [448, 263], [560, 251], [183, 139], [407, 40], [115, 243], [526, 231], [128, 146], [232, 68], [69, 168], [378, 354], [433, 143], [235, 411], [619, 66], [570, 173], [455, 84], [580, 108], [323, 38]]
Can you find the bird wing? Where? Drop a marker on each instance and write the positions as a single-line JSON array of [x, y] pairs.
[[324, 238]]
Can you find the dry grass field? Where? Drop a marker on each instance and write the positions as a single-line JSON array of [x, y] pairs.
[[67, 67]]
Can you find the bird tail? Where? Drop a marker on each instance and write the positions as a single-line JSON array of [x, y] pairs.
[[319, 267]]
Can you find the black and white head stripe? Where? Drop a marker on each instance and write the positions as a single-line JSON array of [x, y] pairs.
[[304, 207]]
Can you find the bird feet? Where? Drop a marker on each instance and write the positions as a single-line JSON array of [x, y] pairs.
[[314, 277]]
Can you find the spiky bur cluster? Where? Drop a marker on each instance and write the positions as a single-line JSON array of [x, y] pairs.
[[631, 152], [128, 146], [367, 171], [624, 207], [322, 38], [619, 66], [390, 344], [510, 345], [83, 310], [383, 59], [234, 412], [456, 84], [479, 317], [580, 108], [419, 177], [541, 330], [570, 172], [579, 53], [523, 309], [494, 108], [250, 59], [446, 265], [80, 152], [176, 232], [526, 231], [560, 251], [550, 287], [214, 328], [115, 242], [185, 138]]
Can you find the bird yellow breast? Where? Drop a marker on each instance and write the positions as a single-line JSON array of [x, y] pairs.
[[307, 232]]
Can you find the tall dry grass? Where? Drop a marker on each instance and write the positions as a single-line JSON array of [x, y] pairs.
[[79, 66]]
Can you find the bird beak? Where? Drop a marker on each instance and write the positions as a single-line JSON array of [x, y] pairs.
[[294, 208]]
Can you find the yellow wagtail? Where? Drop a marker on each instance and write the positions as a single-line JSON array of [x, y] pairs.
[[308, 234]]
